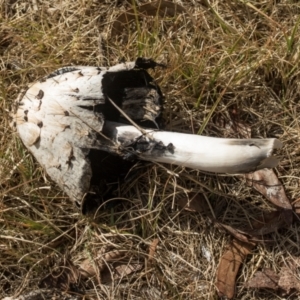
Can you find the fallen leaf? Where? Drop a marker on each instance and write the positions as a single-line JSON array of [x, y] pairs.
[[124, 270], [149, 261], [114, 255], [152, 250], [285, 283], [266, 182], [237, 234], [117, 265], [288, 280], [229, 265], [265, 224], [266, 278], [118, 271], [88, 268], [110, 266]]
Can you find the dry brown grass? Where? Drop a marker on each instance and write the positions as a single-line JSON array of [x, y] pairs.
[[231, 56]]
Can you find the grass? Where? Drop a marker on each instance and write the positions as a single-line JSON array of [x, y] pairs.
[[224, 59]]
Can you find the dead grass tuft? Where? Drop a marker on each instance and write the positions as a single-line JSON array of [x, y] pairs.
[[228, 61]]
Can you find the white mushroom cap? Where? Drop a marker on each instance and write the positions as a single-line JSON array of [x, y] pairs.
[[67, 115]]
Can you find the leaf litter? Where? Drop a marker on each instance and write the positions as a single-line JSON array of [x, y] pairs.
[[266, 182], [111, 266], [286, 281], [107, 267], [116, 265], [229, 265]]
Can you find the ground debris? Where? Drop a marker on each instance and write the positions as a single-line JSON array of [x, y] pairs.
[[266, 278], [152, 250], [286, 282], [289, 281], [110, 266], [229, 266], [266, 182]]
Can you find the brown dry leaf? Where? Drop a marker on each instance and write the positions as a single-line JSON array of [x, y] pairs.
[[152, 249], [289, 281], [124, 270], [109, 266], [158, 8], [286, 281], [88, 268], [99, 263], [149, 262], [266, 182], [266, 278], [118, 271], [117, 265], [229, 265], [267, 223], [113, 256], [237, 234]]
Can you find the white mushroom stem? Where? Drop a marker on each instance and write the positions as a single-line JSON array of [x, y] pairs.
[[220, 155]]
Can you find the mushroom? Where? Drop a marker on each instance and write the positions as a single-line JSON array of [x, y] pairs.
[[78, 119]]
